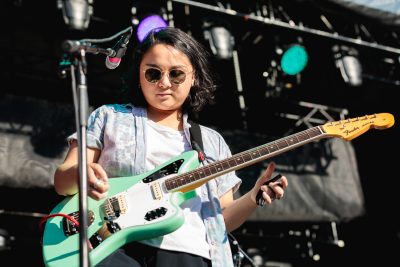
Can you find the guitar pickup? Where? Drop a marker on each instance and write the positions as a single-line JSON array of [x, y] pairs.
[[156, 191], [156, 213]]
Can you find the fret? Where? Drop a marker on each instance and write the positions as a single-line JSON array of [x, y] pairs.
[[207, 171], [238, 160], [232, 162], [201, 173], [179, 182], [196, 176], [303, 136], [173, 183], [212, 168], [272, 148], [255, 153], [282, 144], [218, 166], [190, 177], [225, 164], [292, 140], [313, 132], [264, 150], [247, 157]]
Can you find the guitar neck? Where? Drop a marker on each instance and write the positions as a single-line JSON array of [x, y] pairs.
[[246, 158]]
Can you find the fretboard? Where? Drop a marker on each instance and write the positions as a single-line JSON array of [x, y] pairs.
[[244, 158]]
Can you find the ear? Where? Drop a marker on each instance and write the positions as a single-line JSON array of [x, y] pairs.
[[193, 82]]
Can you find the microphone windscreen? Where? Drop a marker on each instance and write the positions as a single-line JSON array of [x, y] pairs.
[[112, 62]]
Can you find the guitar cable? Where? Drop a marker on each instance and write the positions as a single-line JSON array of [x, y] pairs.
[[45, 218]]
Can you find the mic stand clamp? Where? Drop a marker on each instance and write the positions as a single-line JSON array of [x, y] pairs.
[[73, 46]]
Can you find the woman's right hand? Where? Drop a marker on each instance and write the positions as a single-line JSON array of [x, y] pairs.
[[97, 181]]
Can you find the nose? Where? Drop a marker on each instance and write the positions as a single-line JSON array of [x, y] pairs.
[[164, 82]]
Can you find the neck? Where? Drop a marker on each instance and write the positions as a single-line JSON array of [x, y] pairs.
[[169, 118]]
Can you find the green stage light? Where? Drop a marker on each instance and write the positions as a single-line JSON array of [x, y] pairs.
[[294, 60]]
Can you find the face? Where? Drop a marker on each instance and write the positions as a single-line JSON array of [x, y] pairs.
[[166, 76]]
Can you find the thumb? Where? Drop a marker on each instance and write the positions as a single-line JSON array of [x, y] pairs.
[[266, 175]]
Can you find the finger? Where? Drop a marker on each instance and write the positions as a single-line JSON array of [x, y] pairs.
[[99, 171], [95, 183], [281, 182], [277, 191], [271, 192], [267, 198], [95, 194], [267, 174]]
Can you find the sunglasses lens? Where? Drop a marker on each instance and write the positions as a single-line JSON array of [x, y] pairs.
[[177, 76], [152, 75]]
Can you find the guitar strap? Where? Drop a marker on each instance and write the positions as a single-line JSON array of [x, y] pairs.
[[196, 140]]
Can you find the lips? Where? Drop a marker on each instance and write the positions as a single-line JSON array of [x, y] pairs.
[[164, 94]]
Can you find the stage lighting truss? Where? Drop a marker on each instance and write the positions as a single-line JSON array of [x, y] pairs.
[[290, 16]]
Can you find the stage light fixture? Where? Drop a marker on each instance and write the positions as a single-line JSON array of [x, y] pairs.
[[76, 13], [219, 38], [149, 23], [5, 240], [348, 63], [294, 59]]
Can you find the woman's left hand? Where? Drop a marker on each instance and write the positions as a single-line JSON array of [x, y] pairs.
[[272, 191]]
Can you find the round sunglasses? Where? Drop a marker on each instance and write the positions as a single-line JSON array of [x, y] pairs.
[[175, 76]]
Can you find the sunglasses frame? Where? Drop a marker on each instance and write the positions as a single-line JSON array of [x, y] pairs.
[[162, 72]]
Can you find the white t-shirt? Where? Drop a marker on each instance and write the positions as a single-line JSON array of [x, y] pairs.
[[164, 143]]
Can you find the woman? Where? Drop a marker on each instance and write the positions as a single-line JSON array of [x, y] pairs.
[[174, 80]]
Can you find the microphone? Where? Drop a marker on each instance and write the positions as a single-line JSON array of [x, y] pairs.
[[119, 50], [76, 13]]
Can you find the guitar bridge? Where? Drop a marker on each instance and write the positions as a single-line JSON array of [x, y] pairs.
[[70, 228], [114, 207]]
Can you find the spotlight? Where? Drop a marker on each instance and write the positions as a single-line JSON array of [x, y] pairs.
[[76, 13], [5, 240], [149, 23], [294, 59], [346, 60], [219, 38]]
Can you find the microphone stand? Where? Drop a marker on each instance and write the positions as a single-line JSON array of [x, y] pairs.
[[77, 50], [78, 67], [240, 254]]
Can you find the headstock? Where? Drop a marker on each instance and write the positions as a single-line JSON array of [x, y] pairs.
[[351, 128]]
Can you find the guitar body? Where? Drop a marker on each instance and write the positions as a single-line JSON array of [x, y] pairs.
[[137, 208]]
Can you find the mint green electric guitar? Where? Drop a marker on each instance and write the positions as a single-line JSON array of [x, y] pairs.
[[148, 205]]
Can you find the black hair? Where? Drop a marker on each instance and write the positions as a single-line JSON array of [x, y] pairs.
[[202, 91]]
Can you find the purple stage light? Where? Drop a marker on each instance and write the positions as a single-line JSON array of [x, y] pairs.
[[149, 23]]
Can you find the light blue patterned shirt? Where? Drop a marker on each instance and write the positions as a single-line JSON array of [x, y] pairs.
[[119, 131]]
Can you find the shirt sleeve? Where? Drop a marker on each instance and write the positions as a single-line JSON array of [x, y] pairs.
[[95, 129]]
